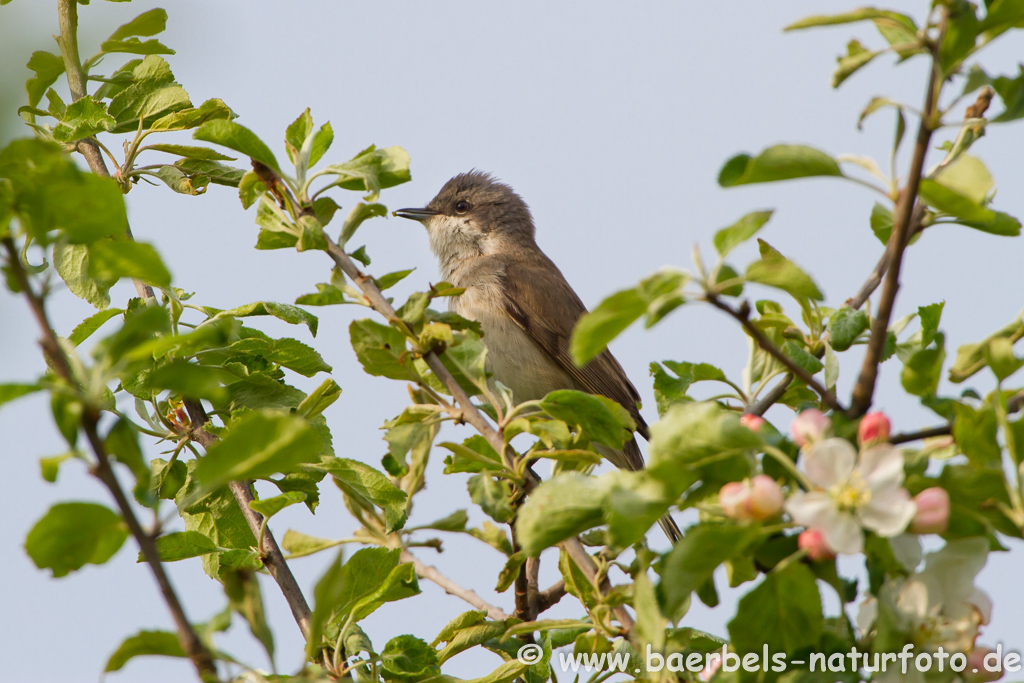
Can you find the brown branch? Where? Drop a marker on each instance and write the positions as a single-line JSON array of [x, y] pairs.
[[451, 588], [533, 586], [270, 551], [864, 391], [743, 316], [102, 470], [67, 12], [549, 597]]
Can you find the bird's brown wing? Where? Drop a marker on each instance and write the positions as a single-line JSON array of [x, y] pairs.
[[548, 311]]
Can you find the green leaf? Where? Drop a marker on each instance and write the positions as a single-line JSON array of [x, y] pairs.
[[190, 118], [775, 270], [693, 560], [975, 432], [136, 47], [85, 328], [298, 544], [82, 119], [71, 535], [739, 232], [190, 151], [961, 33], [237, 137], [287, 352], [454, 522], [321, 143], [601, 418], [177, 180], [296, 132], [312, 235], [114, 259], [257, 445], [373, 170], [595, 329], [190, 380], [153, 94], [783, 613], [144, 643], [881, 223], [781, 162], [10, 392], [292, 315], [381, 350], [494, 496], [182, 545], [146, 24], [355, 218], [844, 326], [669, 390], [563, 506], [930, 316], [801, 357], [406, 659], [368, 486], [73, 264], [218, 517], [922, 371], [212, 171], [48, 68], [268, 507], [850, 17], [318, 400], [856, 57], [948, 200], [122, 443]]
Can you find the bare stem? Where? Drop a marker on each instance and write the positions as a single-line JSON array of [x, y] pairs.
[[67, 11], [898, 240], [270, 551], [451, 588], [190, 642], [578, 554]]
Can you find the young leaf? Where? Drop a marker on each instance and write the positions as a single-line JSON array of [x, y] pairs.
[[71, 535], [381, 350], [209, 110], [145, 643], [257, 445], [359, 213], [146, 24], [602, 419], [783, 613], [10, 392], [182, 545], [189, 151], [845, 326], [598, 327], [373, 170], [83, 118], [114, 259], [564, 506], [237, 137], [367, 485], [292, 315], [856, 56], [268, 507], [781, 162], [739, 232], [73, 262], [406, 659], [48, 68], [775, 270]]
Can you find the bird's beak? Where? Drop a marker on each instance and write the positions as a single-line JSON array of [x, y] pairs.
[[415, 214]]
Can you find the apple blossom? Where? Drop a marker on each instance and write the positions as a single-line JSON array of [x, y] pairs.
[[932, 516], [850, 495], [757, 499], [814, 543], [752, 422], [874, 428], [979, 664], [810, 426]]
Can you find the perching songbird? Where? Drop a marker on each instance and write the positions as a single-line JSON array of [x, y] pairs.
[[482, 234]]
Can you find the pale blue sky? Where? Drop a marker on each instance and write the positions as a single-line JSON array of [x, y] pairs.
[[610, 119]]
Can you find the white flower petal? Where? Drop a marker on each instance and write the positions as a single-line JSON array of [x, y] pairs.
[[843, 533], [866, 615], [950, 571], [881, 466], [810, 509], [888, 513], [828, 462], [907, 550], [983, 604], [912, 600]]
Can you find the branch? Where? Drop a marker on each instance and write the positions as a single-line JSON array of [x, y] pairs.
[[451, 588], [898, 240], [548, 598], [101, 469], [578, 554], [270, 551], [67, 11], [743, 316]]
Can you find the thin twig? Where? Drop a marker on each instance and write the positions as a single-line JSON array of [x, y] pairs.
[[67, 11], [864, 390], [743, 316], [451, 588], [102, 470], [1013, 404], [270, 551]]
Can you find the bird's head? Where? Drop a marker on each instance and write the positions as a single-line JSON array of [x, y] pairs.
[[473, 215]]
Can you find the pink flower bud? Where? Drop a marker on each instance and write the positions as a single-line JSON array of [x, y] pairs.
[[810, 426], [983, 664], [932, 516], [874, 428], [752, 422], [757, 499], [712, 666], [814, 543]]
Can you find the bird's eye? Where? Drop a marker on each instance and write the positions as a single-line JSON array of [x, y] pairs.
[[462, 206]]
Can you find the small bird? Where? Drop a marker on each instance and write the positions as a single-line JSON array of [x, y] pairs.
[[482, 234]]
